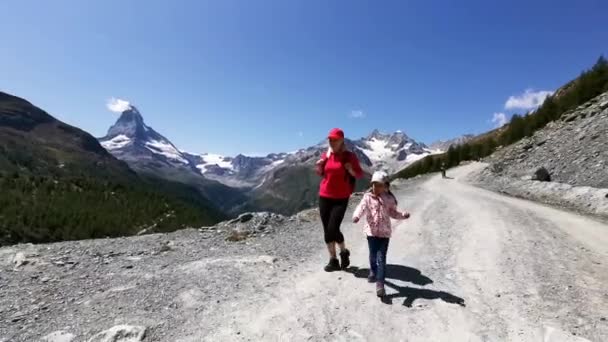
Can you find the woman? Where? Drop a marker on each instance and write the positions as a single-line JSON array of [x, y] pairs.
[[339, 169]]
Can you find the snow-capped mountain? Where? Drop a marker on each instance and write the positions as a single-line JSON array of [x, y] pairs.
[[444, 145], [150, 153], [378, 151], [132, 140], [391, 152]]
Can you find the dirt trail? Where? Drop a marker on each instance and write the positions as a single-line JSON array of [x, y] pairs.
[[470, 265]]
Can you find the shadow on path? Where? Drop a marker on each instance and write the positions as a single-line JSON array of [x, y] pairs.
[[398, 272], [411, 275]]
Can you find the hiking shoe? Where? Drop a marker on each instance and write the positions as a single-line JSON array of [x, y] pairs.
[[380, 291], [345, 259], [333, 265], [371, 278]]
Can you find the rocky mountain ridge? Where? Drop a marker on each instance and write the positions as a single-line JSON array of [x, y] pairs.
[[444, 145]]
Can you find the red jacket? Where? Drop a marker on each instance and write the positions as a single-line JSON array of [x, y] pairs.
[[335, 183]]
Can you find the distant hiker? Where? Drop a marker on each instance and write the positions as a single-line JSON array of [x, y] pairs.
[[339, 168], [443, 170], [378, 207]]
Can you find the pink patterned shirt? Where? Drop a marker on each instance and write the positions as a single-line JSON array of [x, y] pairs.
[[378, 211]]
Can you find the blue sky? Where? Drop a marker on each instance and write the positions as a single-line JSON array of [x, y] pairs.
[[269, 76]]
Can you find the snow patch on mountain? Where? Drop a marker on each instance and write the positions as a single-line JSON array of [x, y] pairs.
[[216, 159], [415, 157], [377, 150], [391, 152], [166, 149], [117, 142]]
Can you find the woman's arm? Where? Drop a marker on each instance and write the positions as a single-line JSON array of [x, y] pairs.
[[353, 166], [319, 167]]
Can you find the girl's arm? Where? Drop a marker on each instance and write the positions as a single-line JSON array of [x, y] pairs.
[[361, 209], [396, 214]]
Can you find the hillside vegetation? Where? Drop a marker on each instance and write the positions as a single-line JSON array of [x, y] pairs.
[[58, 183]]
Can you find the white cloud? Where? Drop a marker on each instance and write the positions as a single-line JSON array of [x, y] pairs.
[[117, 105], [357, 114], [530, 99], [499, 119]]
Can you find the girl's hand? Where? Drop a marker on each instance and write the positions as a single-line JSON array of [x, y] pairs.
[[355, 219]]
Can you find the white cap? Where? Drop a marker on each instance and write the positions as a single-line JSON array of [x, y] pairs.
[[379, 177]]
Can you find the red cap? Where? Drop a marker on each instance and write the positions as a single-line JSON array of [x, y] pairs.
[[336, 133]]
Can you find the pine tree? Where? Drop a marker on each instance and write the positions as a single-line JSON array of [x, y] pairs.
[[452, 157], [465, 152]]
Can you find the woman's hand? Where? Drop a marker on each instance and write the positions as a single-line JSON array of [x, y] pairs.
[[319, 166], [349, 168]]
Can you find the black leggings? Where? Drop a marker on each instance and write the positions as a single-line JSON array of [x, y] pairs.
[[332, 213]]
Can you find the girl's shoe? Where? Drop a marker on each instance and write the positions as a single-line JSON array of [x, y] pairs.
[[333, 265], [345, 259], [380, 291]]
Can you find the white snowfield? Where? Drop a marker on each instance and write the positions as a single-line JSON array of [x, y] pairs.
[[470, 265], [383, 156], [215, 159], [117, 142], [166, 149]]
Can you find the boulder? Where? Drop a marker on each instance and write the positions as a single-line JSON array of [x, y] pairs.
[[58, 336], [246, 217], [20, 260], [497, 167], [541, 174], [121, 333]]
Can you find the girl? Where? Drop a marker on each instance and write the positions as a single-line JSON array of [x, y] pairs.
[[378, 206], [338, 168]]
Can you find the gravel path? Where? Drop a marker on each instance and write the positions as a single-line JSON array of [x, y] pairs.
[[470, 265]]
